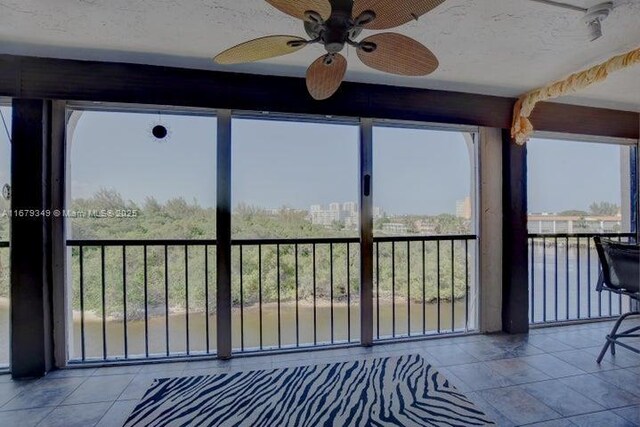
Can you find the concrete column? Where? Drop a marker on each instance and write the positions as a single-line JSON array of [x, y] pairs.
[[515, 261], [31, 231], [490, 230]]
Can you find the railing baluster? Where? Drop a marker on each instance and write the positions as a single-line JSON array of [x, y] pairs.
[[619, 304], [610, 304], [424, 290], [206, 296], [578, 273], [544, 279], [393, 289], [453, 297], [331, 288], [241, 301], [466, 287], [438, 280], [278, 285], [166, 300], [260, 292], [409, 288], [186, 295], [566, 271], [146, 304], [599, 293], [315, 329], [124, 301], [297, 299], [82, 329], [555, 273], [589, 277], [620, 295], [104, 305], [533, 281], [378, 290], [348, 293]]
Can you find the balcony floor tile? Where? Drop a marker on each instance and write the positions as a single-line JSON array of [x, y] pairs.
[[547, 378]]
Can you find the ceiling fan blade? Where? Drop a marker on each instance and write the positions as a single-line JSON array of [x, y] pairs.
[[259, 49], [398, 54], [393, 13], [325, 76], [297, 8]]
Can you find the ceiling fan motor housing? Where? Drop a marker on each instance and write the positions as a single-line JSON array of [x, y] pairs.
[[337, 28]]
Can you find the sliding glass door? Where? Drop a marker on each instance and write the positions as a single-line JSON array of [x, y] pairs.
[[148, 191], [424, 231], [295, 228], [141, 228]]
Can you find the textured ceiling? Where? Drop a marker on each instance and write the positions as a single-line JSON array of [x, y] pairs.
[[498, 47]]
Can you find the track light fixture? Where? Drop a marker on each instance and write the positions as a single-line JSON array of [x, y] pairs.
[[593, 18]]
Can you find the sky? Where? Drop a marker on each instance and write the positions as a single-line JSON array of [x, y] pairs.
[[277, 163], [566, 175]]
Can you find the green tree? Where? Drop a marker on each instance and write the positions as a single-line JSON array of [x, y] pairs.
[[574, 212], [604, 208]]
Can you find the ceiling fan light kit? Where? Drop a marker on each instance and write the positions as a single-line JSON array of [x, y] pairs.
[[336, 24]]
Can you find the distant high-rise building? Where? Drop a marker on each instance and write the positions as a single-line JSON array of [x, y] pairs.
[[464, 209], [347, 214], [350, 207], [377, 212]]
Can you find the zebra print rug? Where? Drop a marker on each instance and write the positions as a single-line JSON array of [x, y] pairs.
[[396, 391]]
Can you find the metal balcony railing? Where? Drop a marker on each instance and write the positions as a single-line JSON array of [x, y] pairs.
[[563, 274], [295, 292], [148, 299], [425, 282], [139, 298]]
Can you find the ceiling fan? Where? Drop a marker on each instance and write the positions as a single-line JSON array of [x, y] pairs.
[[336, 24]]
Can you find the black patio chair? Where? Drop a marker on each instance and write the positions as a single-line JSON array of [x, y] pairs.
[[621, 275]]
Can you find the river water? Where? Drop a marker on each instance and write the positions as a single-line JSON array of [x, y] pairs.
[[251, 327]]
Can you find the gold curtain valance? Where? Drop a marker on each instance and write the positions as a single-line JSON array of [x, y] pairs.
[[522, 128]]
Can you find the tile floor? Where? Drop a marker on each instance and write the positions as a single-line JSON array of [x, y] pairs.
[[548, 378]]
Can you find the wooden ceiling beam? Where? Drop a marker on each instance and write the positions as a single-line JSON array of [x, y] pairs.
[[44, 78]]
